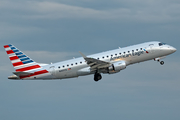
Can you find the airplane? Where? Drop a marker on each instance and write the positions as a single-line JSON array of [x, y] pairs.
[[109, 62]]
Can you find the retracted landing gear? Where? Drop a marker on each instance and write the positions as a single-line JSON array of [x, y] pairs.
[[162, 62], [97, 77]]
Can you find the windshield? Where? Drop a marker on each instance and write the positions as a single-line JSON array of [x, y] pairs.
[[160, 44]]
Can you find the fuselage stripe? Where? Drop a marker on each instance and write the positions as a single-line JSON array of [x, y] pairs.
[[35, 73], [28, 68]]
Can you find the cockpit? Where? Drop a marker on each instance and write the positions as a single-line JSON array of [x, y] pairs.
[[161, 44]]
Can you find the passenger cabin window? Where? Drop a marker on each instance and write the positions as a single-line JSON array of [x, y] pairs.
[[115, 54], [76, 63], [141, 48], [59, 67], [132, 50], [120, 53], [124, 52], [63, 66], [81, 62], [136, 49], [71, 64], [128, 51], [67, 65], [160, 44], [98, 58], [111, 55], [107, 56], [103, 57]]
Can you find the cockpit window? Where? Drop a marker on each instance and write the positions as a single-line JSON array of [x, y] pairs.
[[160, 44]]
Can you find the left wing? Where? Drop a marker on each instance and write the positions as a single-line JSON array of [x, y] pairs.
[[95, 64]]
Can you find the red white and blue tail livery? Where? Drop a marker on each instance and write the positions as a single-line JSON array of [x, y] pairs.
[[108, 62], [24, 66]]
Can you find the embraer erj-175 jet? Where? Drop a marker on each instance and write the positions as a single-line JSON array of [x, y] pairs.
[[109, 62]]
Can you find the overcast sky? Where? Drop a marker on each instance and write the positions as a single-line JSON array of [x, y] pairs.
[[55, 30]]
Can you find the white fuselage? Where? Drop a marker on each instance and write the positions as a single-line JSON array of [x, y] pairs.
[[131, 55]]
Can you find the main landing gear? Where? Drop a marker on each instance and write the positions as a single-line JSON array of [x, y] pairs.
[[162, 62], [97, 76]]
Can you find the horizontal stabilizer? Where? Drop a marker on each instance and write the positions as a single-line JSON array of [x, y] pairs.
[[22, 73]]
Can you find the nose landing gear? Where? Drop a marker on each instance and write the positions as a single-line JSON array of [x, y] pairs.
[[158, 59], [97, 77]]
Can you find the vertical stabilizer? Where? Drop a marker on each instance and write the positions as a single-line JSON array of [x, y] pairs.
[[22, 63]]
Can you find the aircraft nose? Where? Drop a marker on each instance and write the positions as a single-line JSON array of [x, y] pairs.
[[173, 49]]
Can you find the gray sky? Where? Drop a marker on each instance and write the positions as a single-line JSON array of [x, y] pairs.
[[55, 30]]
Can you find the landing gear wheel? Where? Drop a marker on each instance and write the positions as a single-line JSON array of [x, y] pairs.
[[97, 76], [162, 62]]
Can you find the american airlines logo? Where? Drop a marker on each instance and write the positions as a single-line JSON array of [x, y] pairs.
[[128, 55]]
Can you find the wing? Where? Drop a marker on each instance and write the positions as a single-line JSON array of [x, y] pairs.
[[95, 64]]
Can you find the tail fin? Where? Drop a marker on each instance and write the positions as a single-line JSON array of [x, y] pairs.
[[20, 61]]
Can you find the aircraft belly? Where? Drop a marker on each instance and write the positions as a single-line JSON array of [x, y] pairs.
[[68, 73], [42, 76], [65, 74]]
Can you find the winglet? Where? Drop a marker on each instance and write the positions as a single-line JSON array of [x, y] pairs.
[[83, 55]]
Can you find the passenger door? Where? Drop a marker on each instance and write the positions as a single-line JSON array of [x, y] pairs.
[[52, 70], [150, 48]]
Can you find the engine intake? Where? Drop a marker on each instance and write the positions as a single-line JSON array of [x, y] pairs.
[[116, 67]]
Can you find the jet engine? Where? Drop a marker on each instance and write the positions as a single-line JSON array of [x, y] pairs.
[[116, 67]]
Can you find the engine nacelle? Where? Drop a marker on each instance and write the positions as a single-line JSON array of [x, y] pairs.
[[116, 67]]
